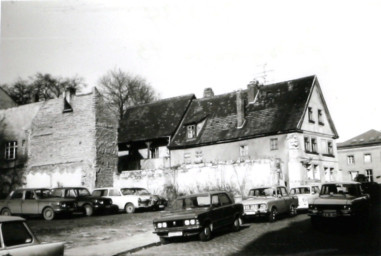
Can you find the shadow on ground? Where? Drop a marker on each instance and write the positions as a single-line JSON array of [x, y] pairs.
[[331, 237]]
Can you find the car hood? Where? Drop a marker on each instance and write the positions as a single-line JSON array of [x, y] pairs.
[[56, 199], [182, 214], [334, 200], [258, 200]]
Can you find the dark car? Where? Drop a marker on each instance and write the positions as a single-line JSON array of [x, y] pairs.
[[199, 215], [339, 200], [36, 201], [17, 239], [87, 203]]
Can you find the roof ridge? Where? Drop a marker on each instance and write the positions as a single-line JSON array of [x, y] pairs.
[[162, 100]]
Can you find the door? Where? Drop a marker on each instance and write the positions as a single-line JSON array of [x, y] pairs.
[[14, 202], [226, 208], [117, 198], [216, 213], [284, 199], [30, 204]]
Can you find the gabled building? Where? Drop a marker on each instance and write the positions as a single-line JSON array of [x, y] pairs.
[[71, 140], [146, 130], [288, 121], [361, 155]]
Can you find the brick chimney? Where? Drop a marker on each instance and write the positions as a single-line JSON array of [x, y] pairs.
[[208, 92], [252, 90], [240, 109]]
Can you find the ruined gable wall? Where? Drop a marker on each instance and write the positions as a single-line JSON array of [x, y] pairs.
[[62, 145]]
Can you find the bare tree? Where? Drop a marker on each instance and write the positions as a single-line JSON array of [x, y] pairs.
[[122, 90], [42, 87]]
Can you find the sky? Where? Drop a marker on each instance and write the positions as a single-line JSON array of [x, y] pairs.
[[182, 47]]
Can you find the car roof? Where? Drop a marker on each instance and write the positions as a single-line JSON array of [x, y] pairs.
[[70, 187], [10, 218], [23, 189], [340, 182], [203, 194]]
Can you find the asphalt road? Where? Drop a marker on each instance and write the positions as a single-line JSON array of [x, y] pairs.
[[287, 236]]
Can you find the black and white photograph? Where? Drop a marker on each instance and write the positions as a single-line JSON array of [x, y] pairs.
[[177, 127]]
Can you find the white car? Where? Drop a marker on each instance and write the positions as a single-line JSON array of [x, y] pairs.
[[130, 199], [306, 195]]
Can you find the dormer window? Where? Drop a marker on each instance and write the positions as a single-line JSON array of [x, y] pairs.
[[191, 131], [310, 115]]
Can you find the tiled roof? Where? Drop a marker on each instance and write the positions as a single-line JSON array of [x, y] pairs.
[[153, 120], [368, 138], [278, 108]]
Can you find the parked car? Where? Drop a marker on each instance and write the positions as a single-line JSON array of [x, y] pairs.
[[198, 215], [306, 194], [130, 199], [36, 201], [339, 199], [17, 239], [87, 203], [269, 202]]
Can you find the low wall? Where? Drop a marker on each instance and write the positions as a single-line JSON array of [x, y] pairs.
[[237, 177]]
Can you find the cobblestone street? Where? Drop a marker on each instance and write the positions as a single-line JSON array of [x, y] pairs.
[[292, 236]]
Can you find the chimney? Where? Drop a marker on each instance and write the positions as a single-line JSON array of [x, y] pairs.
[[240, 110], [252, 90], [208, 93]]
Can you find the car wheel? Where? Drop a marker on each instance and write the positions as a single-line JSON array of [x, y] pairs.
[[88, 210], [273, 214], [129, 208], [165, 240], [206, 234], [293, 211], [6, 212], [48, 213], [237, 224]]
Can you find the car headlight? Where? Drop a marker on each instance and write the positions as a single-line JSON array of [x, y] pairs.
[[101, 202], [63, 205], [186, 222], [263, 207], [192, 221], [159, 225], [164, 224], [95, 201]]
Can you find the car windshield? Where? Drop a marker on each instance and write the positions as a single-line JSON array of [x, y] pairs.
[[300, 191], [191, 202], [135, 191], [262, 192], [340, 190], [83, 192]]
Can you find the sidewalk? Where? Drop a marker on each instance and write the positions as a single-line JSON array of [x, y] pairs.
[[116, 247]]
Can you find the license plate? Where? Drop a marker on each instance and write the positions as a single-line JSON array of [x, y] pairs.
[[161, 206], [250, 213], [172, 234], [329, 214]]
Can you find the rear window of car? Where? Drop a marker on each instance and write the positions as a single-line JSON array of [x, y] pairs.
[[15, 233], [300, 191]]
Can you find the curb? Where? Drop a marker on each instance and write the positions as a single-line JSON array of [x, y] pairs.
[[138, 249]]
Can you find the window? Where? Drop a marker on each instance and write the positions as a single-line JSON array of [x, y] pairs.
[[351, 159], [274, 143], [313, 172], [187, 158], [367, 158], [327, 174], [191, 131], [316, 172], [307, 145], [198, 157], [243, 150], [99, 192], [310, 115], [320, 117], [114, 192], [224, 199], [10, 150], [330, 148], [15, 233], [17, 195], [29, 195], [369, 175], [314, 145], [284, 191], [353, 174]]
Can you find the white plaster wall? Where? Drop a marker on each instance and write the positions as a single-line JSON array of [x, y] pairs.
[[57, 177]]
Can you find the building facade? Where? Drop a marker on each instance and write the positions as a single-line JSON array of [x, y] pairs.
[[68, 141], [361, 155]]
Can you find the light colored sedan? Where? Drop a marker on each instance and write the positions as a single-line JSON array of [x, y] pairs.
[[16, 239], [306, 195], [128, 199]]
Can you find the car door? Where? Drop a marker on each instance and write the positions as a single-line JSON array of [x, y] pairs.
[[15, 200], [117, 198], [226, 208], [216, 214], [29, 204], [283, 199]]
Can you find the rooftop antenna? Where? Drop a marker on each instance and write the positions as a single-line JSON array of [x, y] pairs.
[[262, 76]]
